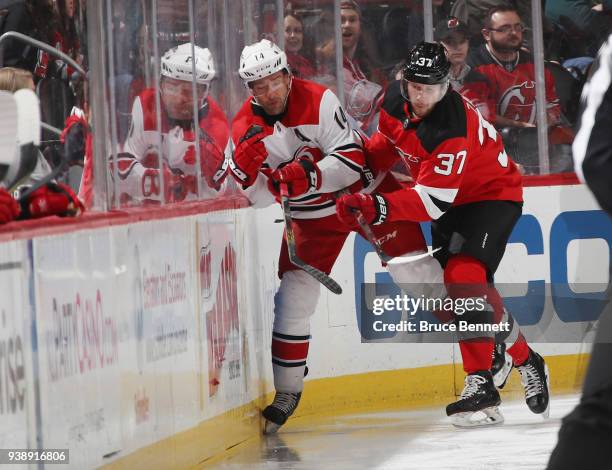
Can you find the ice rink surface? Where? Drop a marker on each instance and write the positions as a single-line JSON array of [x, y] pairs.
[[419, 440]]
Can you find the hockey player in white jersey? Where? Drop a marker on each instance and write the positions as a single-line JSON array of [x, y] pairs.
[[139, 164], [295, 133]]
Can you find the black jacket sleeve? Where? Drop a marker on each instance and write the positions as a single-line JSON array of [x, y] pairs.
[[593, 144]]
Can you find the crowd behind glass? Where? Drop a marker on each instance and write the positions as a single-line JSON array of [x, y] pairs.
[[134, 101]]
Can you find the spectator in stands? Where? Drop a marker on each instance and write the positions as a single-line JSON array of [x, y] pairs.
[[13, 79], [585, 25], [359, 57], [301, 67], [60, 32], [32, 18], [454, 36], [510, 70], [52, 198], [67, 16], [416, 21], [362, 79], [473, 13]]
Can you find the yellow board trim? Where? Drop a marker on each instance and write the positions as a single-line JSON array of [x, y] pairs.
[[407, 389]]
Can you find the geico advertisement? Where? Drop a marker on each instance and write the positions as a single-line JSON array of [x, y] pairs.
[[15, 362], [559, 253], [78, 341]]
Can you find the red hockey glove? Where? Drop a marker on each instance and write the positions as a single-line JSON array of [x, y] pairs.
[[248, 157], [214, 166], [373, 207], [9, 208], [301, 177], [51, 199]]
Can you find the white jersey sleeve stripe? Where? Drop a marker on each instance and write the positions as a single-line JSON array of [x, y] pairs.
[[436, 200]]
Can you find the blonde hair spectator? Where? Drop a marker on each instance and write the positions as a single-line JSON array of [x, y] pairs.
[[13, 79]]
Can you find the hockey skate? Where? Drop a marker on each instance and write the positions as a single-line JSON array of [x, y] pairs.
[[502, 365], [535, 379], [479, 402], [277, 413]]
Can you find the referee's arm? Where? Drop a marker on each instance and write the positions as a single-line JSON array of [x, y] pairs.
[[592, 147]]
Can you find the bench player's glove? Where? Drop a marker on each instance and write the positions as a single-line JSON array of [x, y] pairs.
[[9, 208], [51, 199], [249, 155], [214, 166], [373, 207]]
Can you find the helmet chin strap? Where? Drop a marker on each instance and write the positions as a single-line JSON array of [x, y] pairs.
[[288, 91]]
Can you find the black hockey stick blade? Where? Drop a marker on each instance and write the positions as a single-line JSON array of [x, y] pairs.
[[320, 276]]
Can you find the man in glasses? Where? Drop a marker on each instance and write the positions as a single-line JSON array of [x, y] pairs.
[[295, 133], [143, 163], [510, 71]]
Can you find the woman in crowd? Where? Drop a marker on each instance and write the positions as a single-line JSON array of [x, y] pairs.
[[294, 42]]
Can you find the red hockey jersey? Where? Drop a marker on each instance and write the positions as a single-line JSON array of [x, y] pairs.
[[454, 154], [512, 86], [313, 125]]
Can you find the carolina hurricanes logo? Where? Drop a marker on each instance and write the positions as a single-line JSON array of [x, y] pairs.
[[518, 102], [312, 153]]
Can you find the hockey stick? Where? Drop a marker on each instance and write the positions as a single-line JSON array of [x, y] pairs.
[[320, 276], [369, 234], [411, 259]]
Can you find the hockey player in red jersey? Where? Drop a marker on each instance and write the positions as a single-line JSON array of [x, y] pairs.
[[295, 132], [139, 163], [470, 189]]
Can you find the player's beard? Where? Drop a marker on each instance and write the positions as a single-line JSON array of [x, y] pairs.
[[505, 47]]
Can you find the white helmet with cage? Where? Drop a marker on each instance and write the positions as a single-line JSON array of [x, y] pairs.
[[178, 63], [260, 60]]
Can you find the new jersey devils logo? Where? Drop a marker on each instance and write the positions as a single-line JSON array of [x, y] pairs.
[[408, 157], [518, 102]]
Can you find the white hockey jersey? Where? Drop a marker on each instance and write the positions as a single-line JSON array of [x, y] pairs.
[[142, 147], [313, 125]]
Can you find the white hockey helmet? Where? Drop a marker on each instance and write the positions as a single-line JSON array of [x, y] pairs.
[[260, 60], [178, 62]]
